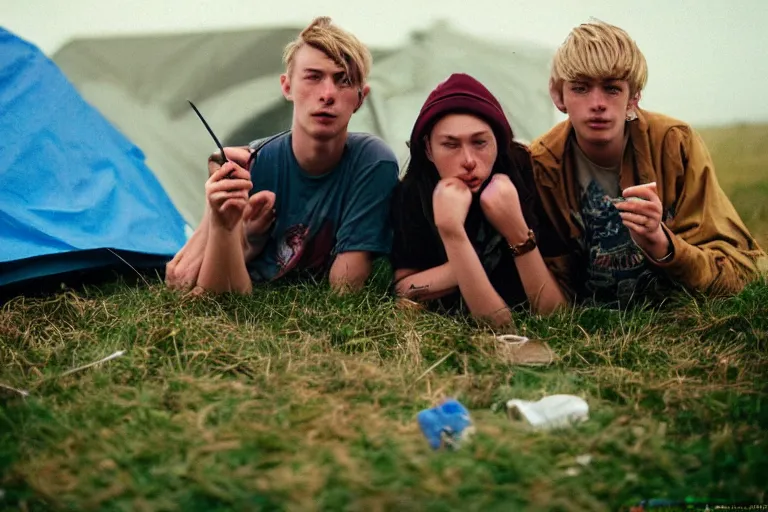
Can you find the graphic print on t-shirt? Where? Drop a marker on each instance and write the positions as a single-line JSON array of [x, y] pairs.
[[289, 249], [297, 250], [616, 267]]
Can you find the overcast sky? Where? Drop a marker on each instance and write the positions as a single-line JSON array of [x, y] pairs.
[[706, 58]]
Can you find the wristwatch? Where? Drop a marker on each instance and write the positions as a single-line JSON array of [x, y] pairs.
[[524, 247]]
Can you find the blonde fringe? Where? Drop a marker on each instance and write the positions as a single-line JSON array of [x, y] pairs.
[[341, 46], [598, 50]]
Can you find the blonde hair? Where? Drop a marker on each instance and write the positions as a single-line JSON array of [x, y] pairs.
[[598, 50], [340, 46]]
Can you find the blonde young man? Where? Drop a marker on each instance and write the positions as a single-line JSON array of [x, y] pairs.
[[632, 194], [314, 200]]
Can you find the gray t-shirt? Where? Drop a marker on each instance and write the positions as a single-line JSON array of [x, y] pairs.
[[617, 270], [319, 217], [587, 171]]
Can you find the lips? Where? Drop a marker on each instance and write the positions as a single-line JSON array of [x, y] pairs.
[[598, 123], [324, 115], [472, 182]]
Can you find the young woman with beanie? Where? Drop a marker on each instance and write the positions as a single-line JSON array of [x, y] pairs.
[[467, 234]]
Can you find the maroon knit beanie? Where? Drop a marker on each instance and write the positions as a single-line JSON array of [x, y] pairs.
[[461, 93]]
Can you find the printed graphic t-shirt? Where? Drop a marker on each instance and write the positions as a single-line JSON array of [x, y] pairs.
[[617, 269], [319, 217]]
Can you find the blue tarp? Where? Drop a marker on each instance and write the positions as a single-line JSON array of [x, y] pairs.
[[74, 192]]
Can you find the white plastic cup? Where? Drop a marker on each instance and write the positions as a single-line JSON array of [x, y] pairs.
[[554, 411]]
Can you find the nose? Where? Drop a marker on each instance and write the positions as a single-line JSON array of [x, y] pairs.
[[328, 91], [597, 100], [468, 161]]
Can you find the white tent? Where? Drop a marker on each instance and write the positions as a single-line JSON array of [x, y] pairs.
[[142, 84]]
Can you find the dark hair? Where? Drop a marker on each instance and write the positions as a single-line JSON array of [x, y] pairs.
[[513, 159]]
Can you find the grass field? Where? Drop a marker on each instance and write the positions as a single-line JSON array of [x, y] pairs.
[[295, 399], [740, 154]]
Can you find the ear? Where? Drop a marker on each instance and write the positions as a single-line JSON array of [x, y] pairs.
[[361, 95], [285, 86], [633, 101], [556, 93]]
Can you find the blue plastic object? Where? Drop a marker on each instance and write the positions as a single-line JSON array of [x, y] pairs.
[[447, 423], [75, 194]]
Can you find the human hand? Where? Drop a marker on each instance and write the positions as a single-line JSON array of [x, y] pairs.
[[259, 215], [500, 203], [227, 194], [450, 205], [239, 155], [643, 219], [182, 271]]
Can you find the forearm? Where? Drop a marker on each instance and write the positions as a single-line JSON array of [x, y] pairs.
[[713, 252], [223, 269], [541, 287], [482, 299], [200, 237], [183, 270], [427, 284], [349, 272], [717, 268]]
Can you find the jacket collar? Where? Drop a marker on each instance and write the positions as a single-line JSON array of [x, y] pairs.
[[551, 149]]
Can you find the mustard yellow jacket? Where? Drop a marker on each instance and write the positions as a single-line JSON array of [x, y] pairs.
[[713, 251]]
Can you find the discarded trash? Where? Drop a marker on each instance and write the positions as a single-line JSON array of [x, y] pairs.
[[524, 351], [512, 339], [552, 411], [19, 391], [24, 393], [448, 424], [104, 360]]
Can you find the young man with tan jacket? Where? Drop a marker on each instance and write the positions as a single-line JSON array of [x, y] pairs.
[[632, 194]]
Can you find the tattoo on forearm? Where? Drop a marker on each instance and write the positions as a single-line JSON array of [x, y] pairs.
[[417, 292]]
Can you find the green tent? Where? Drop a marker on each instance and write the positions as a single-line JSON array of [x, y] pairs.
[[142, 83]]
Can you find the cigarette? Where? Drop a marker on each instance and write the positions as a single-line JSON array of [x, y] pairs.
[[616, 200]]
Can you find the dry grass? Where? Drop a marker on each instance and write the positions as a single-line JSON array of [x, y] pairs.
[[294, 399]]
